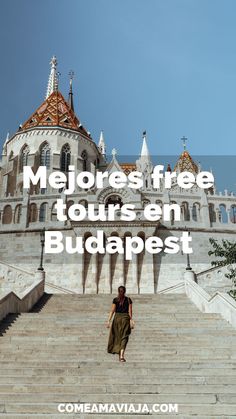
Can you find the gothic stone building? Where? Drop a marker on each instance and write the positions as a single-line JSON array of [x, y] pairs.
[[54, 136]]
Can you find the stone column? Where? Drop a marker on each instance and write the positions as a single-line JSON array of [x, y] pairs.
[[78, 272], [228, 212], [130, 275], [190, 210], [89, 273], [4, 185], [217, 210], [146, 285], [103, 277], [204, 210], [116, 271], [25, 210], [198, 213]]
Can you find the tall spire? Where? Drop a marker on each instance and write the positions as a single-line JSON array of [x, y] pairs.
[[144, 163], [102, 145], [145, 152], [70, 98], [184, 139], [5, 143], [53, 78], [7, 137]]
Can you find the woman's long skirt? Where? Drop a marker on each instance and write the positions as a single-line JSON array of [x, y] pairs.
[[119, 333]]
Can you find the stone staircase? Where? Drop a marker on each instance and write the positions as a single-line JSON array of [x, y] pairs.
[[57, 354]]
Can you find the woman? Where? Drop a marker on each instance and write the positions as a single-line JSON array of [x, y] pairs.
[[121, 325]]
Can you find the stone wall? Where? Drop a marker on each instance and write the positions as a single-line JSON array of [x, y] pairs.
[[104, 273]]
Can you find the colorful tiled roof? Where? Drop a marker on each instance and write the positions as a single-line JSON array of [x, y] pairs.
[[128, 167], [185, 163], [55, 112]]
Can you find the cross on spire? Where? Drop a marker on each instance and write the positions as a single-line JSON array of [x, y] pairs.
[[71, 74], [114, 152]]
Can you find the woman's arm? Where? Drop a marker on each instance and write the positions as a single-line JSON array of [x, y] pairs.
[[113, 308], [130, 311]]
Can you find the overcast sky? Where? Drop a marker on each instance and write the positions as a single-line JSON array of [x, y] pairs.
[[164, 66]]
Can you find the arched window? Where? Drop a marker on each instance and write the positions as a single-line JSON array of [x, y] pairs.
[[17, 215], [113, 199], [195, 211], [19, 188], [42, 212], [96, 162], [84, 156], [145, 202], [84, 203], [65, 158], [172, 213], [69, 203], [24, 157], [7, 215], [185, 211], [223, 214], [45, 155], [33, 213], [159, 202], [233, 214], [212, 213], [54, 213]]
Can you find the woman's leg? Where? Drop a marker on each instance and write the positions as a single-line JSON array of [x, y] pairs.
[[122, 354]]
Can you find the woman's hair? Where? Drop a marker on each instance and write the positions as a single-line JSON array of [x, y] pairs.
[[119, 288]]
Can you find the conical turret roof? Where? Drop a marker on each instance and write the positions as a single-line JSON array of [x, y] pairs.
[[185, 163], [55, 112]]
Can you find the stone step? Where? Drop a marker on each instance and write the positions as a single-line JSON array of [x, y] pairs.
[[141, 326], [214, 410], [123, 416], [82, 346], [83, 368], [25, 396], [92, 388], [53, 377], [101, 350], [57, 353], [107, 416]]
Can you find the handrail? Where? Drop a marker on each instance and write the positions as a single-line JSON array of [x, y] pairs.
[[220, 302], [16, 268], [213, 268], [175, 287], [58, 287], [21, 302]]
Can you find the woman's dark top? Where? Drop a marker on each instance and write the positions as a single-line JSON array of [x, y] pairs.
[[124, 308]]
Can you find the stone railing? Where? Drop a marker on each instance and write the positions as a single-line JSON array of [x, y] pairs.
[[177, 288], [59, 288], [209, 271], [220, 302], [13, 278], [24, 301], [213, 279]]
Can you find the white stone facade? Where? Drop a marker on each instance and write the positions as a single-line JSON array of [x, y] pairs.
[[23, 214]]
